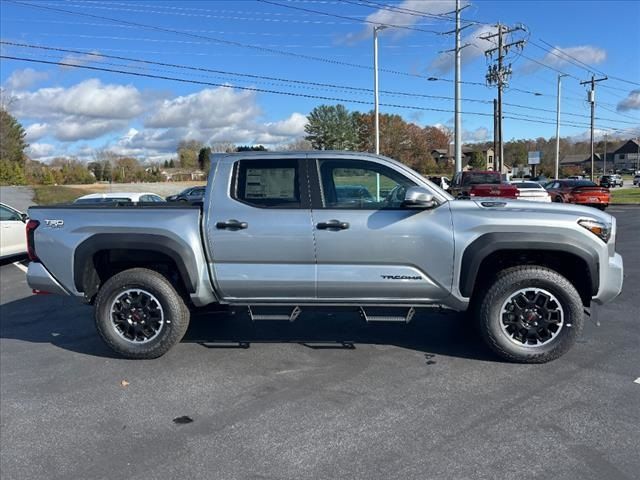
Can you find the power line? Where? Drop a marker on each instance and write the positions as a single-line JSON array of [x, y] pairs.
[[343, 17], [511, 116], [589, 67], [216, 40], [252, 77]]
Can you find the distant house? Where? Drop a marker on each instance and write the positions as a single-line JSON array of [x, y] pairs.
[[582, 161], [181, 174], [626, 157], [447, 156]]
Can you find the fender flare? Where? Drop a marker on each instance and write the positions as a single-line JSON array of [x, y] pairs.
[[178, 251], [478, 250]]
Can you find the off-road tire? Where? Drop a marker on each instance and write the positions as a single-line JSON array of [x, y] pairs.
[[505, 285], [176, 313]]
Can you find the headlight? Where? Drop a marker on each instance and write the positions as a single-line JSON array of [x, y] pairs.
[[599, 229]]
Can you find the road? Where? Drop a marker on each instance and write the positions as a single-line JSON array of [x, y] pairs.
[[18, 197], [324, 397]]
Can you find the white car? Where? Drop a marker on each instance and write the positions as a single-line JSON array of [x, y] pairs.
[[532, 191], [13, 237], [113, 197]]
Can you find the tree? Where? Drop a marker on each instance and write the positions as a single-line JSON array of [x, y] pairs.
[[12, 142], [251, 148], [97, 169], [300, 144], [11, 173], [47, 177], [332, 128], [172, 164], [204, 159], [188, 153], [107, 171], [166, 164], [223, 147], [477, 161]]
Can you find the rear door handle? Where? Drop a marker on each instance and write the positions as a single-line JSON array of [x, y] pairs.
[[232, 225], [332, 225]]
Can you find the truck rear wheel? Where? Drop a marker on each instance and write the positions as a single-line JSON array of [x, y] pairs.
[[531, 314], [139, 314]]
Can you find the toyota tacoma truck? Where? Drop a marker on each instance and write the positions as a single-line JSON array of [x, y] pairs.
[[274, 235]]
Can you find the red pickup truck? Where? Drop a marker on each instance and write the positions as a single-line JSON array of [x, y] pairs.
[[481, 184]]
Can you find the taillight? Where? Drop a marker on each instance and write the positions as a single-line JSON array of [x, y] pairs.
[[31, 245]]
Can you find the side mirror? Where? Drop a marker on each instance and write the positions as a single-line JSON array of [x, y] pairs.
[[418, 197], [24, 217]]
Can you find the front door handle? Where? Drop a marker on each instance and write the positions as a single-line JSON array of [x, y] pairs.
[[332, 225], [232, 225]]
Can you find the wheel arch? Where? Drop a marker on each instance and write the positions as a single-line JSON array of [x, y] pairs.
[[492, 252], [102, 255]]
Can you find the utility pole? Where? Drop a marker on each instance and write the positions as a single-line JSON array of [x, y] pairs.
[[604, 165], [495, 135], [592, 100], [458, 89], [499, 74], [557, 174]]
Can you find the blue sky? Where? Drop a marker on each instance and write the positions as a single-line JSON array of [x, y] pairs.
[[73, 111]]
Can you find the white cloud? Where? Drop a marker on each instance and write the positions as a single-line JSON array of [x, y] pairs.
[[21, 79], [207, 109], [39, 151], [90, 98], [480, 134], [72, 129], [113, 113], [632, 102], [78, 60], [292, 126], [398, 17], [36, 131], [556, 57]]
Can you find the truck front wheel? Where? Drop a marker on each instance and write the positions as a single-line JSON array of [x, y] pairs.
[[531, 314], [139, 314]]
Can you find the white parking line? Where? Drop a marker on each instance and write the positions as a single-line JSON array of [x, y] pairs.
[[637, 380], [20, 266]]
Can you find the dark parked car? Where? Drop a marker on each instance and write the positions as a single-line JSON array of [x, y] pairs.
[[190, 195], [582, 192]]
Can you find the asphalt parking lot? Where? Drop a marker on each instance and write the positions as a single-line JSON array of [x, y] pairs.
[[326, 397]]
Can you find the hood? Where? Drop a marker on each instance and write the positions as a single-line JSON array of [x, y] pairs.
[[522, 208]]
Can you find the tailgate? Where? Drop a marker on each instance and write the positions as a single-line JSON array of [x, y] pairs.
[[494, 190]]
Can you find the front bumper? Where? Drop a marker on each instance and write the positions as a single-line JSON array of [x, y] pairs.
[[39, 278], [610, 280]]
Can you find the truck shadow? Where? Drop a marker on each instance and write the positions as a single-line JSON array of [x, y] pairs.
[[65, 323]]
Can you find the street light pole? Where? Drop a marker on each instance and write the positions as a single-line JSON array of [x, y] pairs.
[[376, 29], [458, 95], [558, 127]]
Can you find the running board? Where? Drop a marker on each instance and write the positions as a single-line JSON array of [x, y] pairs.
[[292, 316], [384, 316]]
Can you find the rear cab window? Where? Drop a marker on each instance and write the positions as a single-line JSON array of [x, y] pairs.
[[272, 183]]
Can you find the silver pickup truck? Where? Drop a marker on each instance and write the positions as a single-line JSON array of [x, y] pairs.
[[278, 232]]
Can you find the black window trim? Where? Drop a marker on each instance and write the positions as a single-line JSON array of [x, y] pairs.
[[303, 184], [317, 189]]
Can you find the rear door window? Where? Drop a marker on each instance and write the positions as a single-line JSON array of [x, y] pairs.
[[268, 183]]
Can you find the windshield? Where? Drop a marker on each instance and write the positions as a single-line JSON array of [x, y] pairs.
[[481, 178], [102, 200], [527, 185], [581, 183]]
